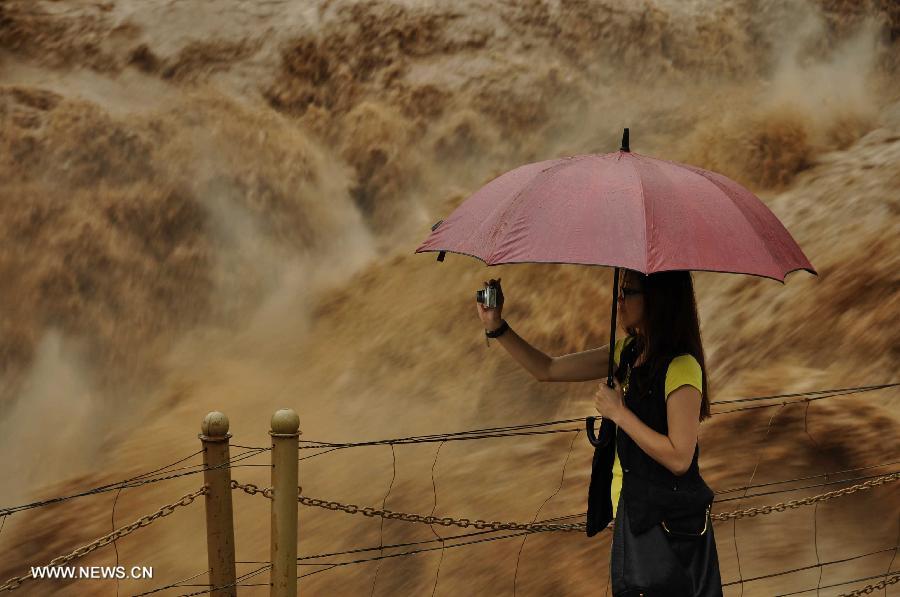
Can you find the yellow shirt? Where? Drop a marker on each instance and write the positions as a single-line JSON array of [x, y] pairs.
[[683, 370]]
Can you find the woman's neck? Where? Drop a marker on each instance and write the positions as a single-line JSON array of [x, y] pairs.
[[643, 356]]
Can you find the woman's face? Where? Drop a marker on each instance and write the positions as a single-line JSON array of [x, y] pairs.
[[630, 304]]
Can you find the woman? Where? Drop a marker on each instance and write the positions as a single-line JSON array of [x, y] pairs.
[[663, 542]]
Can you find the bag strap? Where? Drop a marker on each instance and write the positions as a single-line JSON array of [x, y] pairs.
[[626, 359]]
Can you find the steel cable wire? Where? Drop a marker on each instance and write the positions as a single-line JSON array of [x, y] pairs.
[[125, 484]]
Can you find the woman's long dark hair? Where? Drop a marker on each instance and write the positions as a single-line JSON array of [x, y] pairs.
[[671, 324]]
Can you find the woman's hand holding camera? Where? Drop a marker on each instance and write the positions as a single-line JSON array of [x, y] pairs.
[[490, 316]]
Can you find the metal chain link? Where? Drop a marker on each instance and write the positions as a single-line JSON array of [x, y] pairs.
[[252, 489], [782, 506], [871, 588], [186, 500], [446, 521], [573, 527]]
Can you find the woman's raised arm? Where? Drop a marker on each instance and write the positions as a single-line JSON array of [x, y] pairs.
[[579, 366]]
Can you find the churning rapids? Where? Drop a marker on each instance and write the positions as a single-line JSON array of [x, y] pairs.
[[214, 206]]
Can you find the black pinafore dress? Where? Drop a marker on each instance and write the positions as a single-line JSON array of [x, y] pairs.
[[663, 542]]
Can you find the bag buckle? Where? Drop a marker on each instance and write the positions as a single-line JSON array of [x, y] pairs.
[[681, 534]]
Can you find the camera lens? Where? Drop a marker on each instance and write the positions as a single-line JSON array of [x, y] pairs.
[[479, 296]]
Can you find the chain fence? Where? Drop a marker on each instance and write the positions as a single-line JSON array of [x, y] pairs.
[[483, 526], [465, 523], [872, 588], [186, 500]]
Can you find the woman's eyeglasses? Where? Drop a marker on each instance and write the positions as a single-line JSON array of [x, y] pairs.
[[626, 292]]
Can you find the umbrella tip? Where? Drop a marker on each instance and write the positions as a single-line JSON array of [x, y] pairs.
[[625, 141]]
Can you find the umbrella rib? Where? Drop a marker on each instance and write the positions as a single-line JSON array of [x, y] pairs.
[[760, 232], [646, 220], [494, 231], [739, 207], [494, 234]]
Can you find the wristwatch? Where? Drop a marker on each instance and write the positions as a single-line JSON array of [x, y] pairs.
[[499, 331]]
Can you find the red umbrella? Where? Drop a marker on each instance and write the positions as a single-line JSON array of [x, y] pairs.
[[622, 210]]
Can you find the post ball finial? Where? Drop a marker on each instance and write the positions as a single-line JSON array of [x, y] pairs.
[[215, 424], [285, 421]]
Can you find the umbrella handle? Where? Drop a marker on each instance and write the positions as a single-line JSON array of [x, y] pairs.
[[606, 431], [607, 427]]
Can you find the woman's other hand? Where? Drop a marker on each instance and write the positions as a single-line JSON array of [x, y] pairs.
[[609, 401], [490, 317]]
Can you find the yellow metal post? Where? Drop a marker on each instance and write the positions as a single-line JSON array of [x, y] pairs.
[[285, 476], [219, 514]]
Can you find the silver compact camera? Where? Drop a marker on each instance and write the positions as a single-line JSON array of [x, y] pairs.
[[488, 297]]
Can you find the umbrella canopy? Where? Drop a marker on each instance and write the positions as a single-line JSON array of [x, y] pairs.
[[623, 210], [620, 209]]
